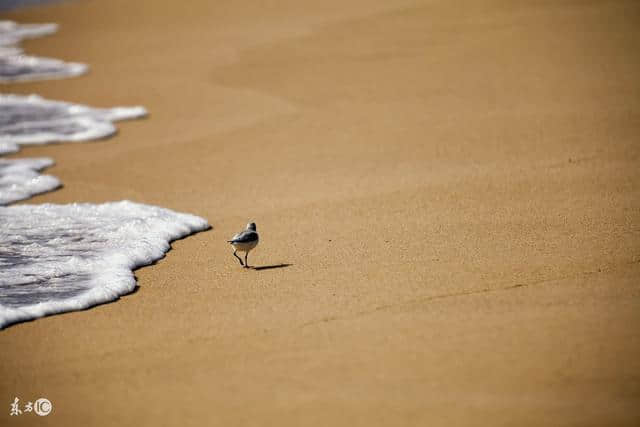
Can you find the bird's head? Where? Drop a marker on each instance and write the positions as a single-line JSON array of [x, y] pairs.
[[251, 226]]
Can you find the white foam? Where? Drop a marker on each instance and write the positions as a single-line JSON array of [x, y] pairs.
[[57, 258], [12, 33], [35, 120], [15, 66], [7, 147], [19, 178]]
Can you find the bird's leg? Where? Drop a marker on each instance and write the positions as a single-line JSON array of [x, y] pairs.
[[246, 263], [239, 259]]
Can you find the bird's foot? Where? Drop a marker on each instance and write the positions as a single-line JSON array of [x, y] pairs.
[[239, 259]]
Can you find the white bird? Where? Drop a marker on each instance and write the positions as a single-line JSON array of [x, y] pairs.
[[244, 242]]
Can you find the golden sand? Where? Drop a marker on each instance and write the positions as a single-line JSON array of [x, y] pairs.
[[456, 186]]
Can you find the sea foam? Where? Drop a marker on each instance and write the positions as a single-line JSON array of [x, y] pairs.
[[34, 120], [57, 258], [16, 66], [12, 33], [26, 120], [19, 178]]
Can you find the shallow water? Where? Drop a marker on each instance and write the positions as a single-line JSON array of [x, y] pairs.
[[16, 66], [12, 33], [14, 4], [56, 258], [20, 179], [26, 120]]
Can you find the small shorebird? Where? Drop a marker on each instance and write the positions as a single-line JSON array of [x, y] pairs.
[[244, 242]]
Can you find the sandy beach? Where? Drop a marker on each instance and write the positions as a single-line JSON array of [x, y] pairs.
[[448, 200]]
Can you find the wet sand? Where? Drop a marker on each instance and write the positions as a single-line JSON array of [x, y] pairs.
[[455, 187]]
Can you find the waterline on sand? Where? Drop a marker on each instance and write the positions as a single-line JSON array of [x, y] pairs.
[[58, 258], [16, 66], [26, 120], [20, 178]]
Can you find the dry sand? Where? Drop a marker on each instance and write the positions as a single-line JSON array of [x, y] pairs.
[[455, 185]]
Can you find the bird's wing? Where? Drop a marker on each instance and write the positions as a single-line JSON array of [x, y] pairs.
[[246, 236]]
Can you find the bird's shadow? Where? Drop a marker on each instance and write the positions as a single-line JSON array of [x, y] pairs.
[[269, 267]]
